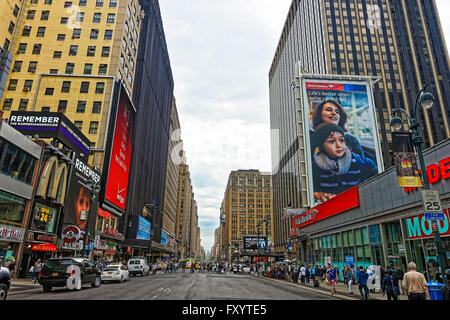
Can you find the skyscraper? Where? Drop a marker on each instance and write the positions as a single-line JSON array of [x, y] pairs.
[[398, 43]]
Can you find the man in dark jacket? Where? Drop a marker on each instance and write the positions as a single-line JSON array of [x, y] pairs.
[[399, 274], [390, 286], [361, 279]]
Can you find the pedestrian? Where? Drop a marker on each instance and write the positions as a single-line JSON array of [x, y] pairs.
[[313, 273], [446, 289], [337, 272], [399, 274], [302, 274], [390, 286], [37, 267], [348, 278], [11, 264], [361, 279], [331, 274], [415, 284]]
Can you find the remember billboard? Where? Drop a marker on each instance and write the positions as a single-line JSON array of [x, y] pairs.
[[341, 135], [255, 242]]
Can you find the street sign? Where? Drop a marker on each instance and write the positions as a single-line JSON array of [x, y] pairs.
[[434, 217], [431, 201]]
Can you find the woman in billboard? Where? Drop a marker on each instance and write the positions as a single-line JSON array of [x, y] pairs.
[[82, 206], [335, 167], [330, 111]]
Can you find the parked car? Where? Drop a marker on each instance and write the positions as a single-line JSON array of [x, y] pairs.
[[115, 272], [70, 272], [5, 282], [138, 266]]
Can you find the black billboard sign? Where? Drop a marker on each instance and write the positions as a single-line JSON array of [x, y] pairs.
[[78, 209], [254, 242], [50, 125]]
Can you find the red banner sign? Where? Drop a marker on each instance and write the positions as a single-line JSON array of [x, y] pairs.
[[436, 172], [44, 247], [119, 167], [341, 203]]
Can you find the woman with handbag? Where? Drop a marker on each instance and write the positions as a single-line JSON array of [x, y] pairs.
[[390, 286]]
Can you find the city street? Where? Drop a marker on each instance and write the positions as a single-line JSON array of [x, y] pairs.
[[181, 286]]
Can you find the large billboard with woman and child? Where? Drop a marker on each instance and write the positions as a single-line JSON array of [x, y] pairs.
[[341, 138]]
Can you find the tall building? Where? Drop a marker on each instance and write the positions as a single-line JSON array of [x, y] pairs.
[[398, 43], [184, 208], [66, 57], [171, 190], [247, 202]]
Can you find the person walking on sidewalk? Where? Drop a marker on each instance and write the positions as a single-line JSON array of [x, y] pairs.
[[302, 274], [415, 284], [36, 270], [331, 274], [399, 274], [361, 279], [390, 286], [348, 278]]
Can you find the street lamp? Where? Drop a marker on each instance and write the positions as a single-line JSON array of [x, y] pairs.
[[426, 100], [94, 189]]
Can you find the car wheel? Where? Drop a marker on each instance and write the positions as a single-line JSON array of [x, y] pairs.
[[96, 282], [3, 291], [47, 287]]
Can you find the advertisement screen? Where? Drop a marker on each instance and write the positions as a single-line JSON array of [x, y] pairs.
[[255, 242], [119, 167], [405, 160], [341, 136], [143, 229], [77, 210]]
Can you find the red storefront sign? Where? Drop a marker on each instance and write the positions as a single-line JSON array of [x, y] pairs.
[[44, 247], [325, 86], [103, 213], [341, 203]]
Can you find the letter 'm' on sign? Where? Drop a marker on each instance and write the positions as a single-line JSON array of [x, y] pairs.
[[413, 227]]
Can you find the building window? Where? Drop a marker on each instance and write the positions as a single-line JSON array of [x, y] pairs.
[[69, 67], [11, 27], [28, 84], [81, 106], [66, 86], [94, 34], [97, 17], [37, 48], [53, 71], [76, 34], [82, 3], [57, 54], [108, 34], [17, 66], [113, 3], [26, 31], [111, 18], [78, 124], [22, 48], [67, 4], [45, 109], [105, 51], [90, 51], [88, 68], [48, 1], [45, 14], [23, 104], [40, 32], [96, 107], [73, 50], [100, 87], [84, 87], [93, 127], [99, 3], [12, 84], [61, 37], [64, 20], [49, 91], [7, 104], [62, 105], [102, 69], [16, 11], [18, 165], [31, 14], [79, 17], [32, 66]]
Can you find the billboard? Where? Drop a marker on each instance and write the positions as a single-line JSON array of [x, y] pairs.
[[405, 160], [342, 143], [254, 242], [120, 156], [78, 209], [143, 229], [50, 125]]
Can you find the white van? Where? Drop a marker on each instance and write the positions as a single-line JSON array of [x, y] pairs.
[[138, 266]]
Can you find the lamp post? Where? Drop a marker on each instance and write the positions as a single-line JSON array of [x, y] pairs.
[[426, 100], [95, 188]]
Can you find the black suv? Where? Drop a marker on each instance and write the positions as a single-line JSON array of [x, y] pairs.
[[69, 272], [5, 283]]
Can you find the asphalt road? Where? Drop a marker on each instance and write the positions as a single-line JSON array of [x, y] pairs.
[[182, 286]]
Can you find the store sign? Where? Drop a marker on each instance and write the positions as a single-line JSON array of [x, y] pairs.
[[47, 247], [71, 234], [11, 234], [53, 180], [419, 227]]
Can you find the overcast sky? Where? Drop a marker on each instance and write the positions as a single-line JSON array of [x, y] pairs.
[[220, 53]]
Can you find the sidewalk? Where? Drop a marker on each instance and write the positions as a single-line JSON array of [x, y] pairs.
[[341, 290], [23, 285]]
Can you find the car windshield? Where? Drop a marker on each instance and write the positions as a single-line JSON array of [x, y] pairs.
[[111, 269], [57, 265]]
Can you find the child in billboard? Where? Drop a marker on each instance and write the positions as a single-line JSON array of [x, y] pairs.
[[335, 167]]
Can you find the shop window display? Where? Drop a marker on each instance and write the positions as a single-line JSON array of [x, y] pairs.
[[12, 209]]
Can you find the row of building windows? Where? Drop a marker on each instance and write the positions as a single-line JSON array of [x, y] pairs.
[[65, 88], [79, 17], [76, 33]]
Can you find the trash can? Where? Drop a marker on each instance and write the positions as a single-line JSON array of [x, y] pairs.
[[434, 289]]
